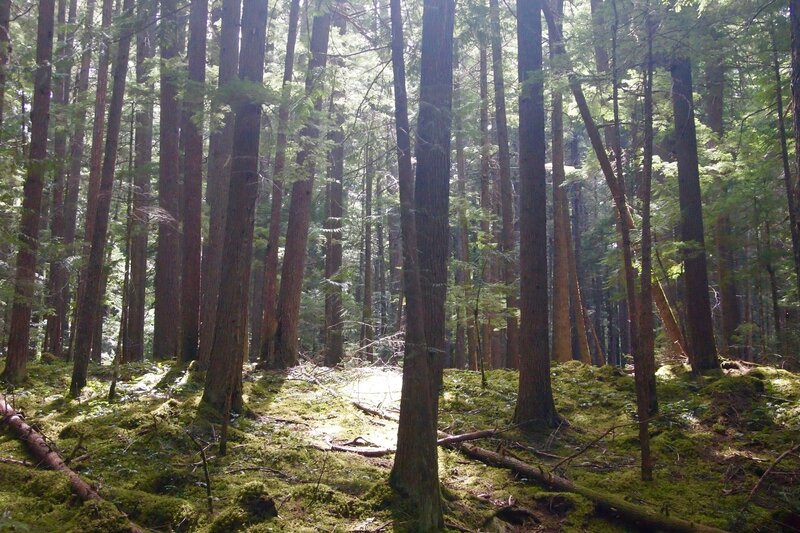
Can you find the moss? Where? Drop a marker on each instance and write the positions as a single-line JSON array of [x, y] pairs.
[[255, 501], [158, 512], [164, 481], [100, 517], [229, 520]]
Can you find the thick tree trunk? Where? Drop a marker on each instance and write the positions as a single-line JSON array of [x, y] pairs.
[[415, 471], [487, 262], [93, 272], [702, 349], [230, 335], [193, 181], [24, 279], [535, 400], [269, 325], [168, 243], [219, 152], [334, 335], [294, 259]]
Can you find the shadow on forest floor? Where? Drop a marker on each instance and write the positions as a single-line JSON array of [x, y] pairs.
[[714, 438]]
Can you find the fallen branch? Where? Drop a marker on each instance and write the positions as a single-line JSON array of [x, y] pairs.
[[209, 497], [780, 458], [375, 412], [46, 456], [10, 461], [629, 511], [474, 435], [366, 451]]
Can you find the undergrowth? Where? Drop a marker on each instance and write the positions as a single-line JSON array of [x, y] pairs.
[[714, 437]]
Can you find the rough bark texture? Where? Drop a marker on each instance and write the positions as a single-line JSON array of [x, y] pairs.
[[487, 256], [5, 44], [793, 190], [168, 242], [270, 322], [334, 338], [219, 151], [415, 471], [193, 181], [230, 335], [701, 345], [367, 327], [134, 331], [506, 191], [294, 259], [535, 400], [93, 272], [19, 332]]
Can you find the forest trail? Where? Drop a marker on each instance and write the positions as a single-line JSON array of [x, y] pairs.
[[138, 452]]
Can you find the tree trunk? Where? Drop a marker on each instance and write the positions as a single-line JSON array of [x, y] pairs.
[[193, 181], [59, 275], [506, 192], [219, 152], [334, 337], [294, 258], [270, 321], [729, 304], [93, 272], [535, 400], [702, 349], [380, 266], [230, 336], [415, 471], [367, 327], [793, 194], [168, 243], [562, 338], [5, 50], [24, 280], [486, 330], [141, 196]]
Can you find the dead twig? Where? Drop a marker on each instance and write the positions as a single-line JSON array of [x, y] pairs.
[[780, 458], [202, 450]]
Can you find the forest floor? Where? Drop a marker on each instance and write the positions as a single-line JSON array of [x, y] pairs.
[[714, 438]]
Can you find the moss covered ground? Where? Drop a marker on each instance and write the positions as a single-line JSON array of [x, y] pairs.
[[713, 439]]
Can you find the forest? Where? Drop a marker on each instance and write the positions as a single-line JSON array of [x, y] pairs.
[[384, 265]]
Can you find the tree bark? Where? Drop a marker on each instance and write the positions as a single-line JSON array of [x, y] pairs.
[[367, 327], [24, 279], [487, 263], [93, 272], [269, 325], [192, 132], [294, 258], [793, 194], [5, 50], [535, 400], [230, 336], [168, 243], [415, 471], [141, 196], [702, 349], [334, 337], [219, 160], [506, 192]]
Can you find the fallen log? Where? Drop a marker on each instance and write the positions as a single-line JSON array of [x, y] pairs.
[[46, 456], [603, 502]]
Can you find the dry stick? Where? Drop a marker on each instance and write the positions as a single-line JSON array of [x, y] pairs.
[[202, 450], [780, 458], [35, 443], [593, 442]]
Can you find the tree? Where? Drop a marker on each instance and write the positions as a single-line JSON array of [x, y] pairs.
[[24, 279], [168, 244], [793, 193], [334, 339], [367, 327], [230, 334], [294, 258], [415, 471], [219, 152], [701, 344], [5, 40], [270, 320], [93, 271], [193, 181], [535, 400], [143, 147]]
